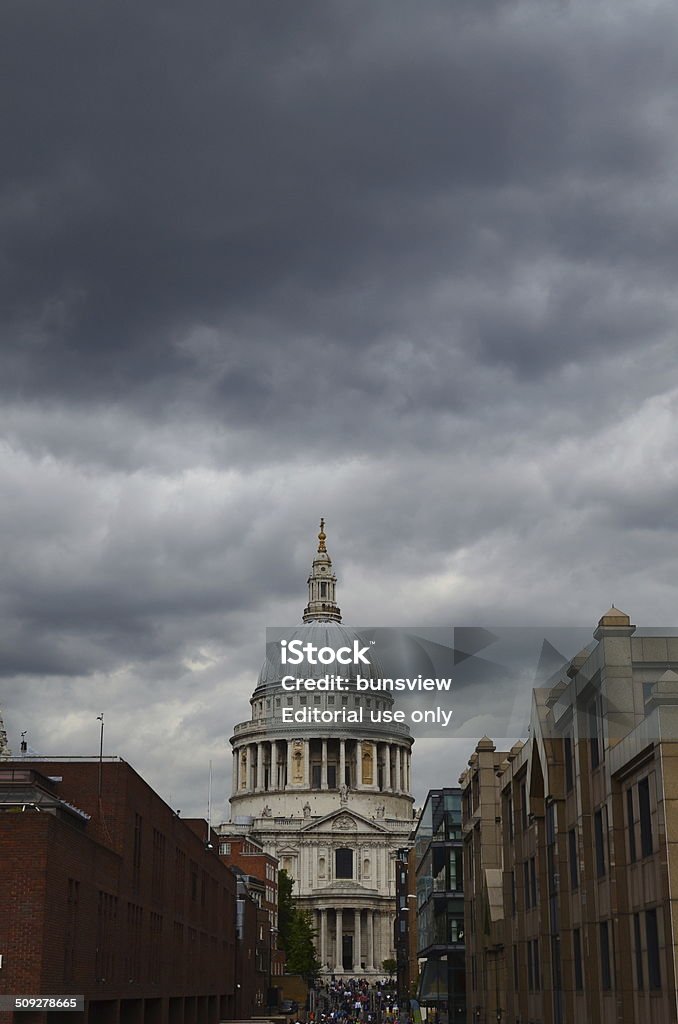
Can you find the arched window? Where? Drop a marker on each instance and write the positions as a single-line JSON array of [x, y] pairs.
[[344, 863]]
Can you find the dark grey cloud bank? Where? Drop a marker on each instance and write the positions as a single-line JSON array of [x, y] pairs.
[[410, 266]]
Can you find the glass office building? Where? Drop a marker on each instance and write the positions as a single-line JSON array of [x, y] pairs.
[[438, 847]]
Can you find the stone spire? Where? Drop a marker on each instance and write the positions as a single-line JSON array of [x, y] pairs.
[[322, 586], [4, 745]]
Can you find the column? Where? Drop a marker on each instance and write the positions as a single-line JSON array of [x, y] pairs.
[[387, 935], [323, 938], [376, 941], [387, 768], [242, 768], [359, 764], [260, 765], [273, 767], [323, 766], [409, 771], [375, 766], [289, 763], [339, 944], [234, 780], [342, 762], [398, 783], [369, 966], [357, 951], [307, 764], [385, 938]]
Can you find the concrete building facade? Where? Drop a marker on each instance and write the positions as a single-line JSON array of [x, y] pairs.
[[580, 823]]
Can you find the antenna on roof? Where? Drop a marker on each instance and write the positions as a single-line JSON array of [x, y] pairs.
[[24, 745], [100, 718], [208, 843]]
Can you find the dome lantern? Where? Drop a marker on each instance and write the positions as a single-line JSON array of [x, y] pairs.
[[322, 586]]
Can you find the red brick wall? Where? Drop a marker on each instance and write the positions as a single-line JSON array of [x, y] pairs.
[[187, 935]]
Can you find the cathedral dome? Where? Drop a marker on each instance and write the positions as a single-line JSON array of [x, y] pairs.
[[322, 778], [320, 634]]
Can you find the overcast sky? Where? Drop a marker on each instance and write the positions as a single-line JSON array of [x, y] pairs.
[[410, 266]]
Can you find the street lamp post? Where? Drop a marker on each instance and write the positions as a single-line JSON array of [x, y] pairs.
[[271, 932]]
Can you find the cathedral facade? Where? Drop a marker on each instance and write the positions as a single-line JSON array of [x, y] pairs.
[[331, 801]]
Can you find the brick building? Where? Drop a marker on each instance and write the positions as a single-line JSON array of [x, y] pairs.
[[580, 824], [106, 892], [243, 852], [259, 872]]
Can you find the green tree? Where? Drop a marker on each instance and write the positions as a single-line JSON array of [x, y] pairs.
[[301, 954], [295, 931], [389, 967], [286, 909]]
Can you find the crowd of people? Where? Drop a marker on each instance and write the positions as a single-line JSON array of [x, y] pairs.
[[353, 1000]]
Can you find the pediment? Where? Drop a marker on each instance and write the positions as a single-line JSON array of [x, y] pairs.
[[343, 820], [344, 823], [339, 887]]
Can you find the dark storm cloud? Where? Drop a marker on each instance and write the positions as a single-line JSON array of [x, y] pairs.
[[408, 266], [285, 175]]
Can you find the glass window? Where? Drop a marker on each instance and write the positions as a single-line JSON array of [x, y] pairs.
[[605, 966], [533, 881], [596, 731], [631, 825], [574, 860], [645, 817], [569, 764], [653, 968], [600, 843], [526, 884], [578, 969], [344, 863], [638, 950]]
